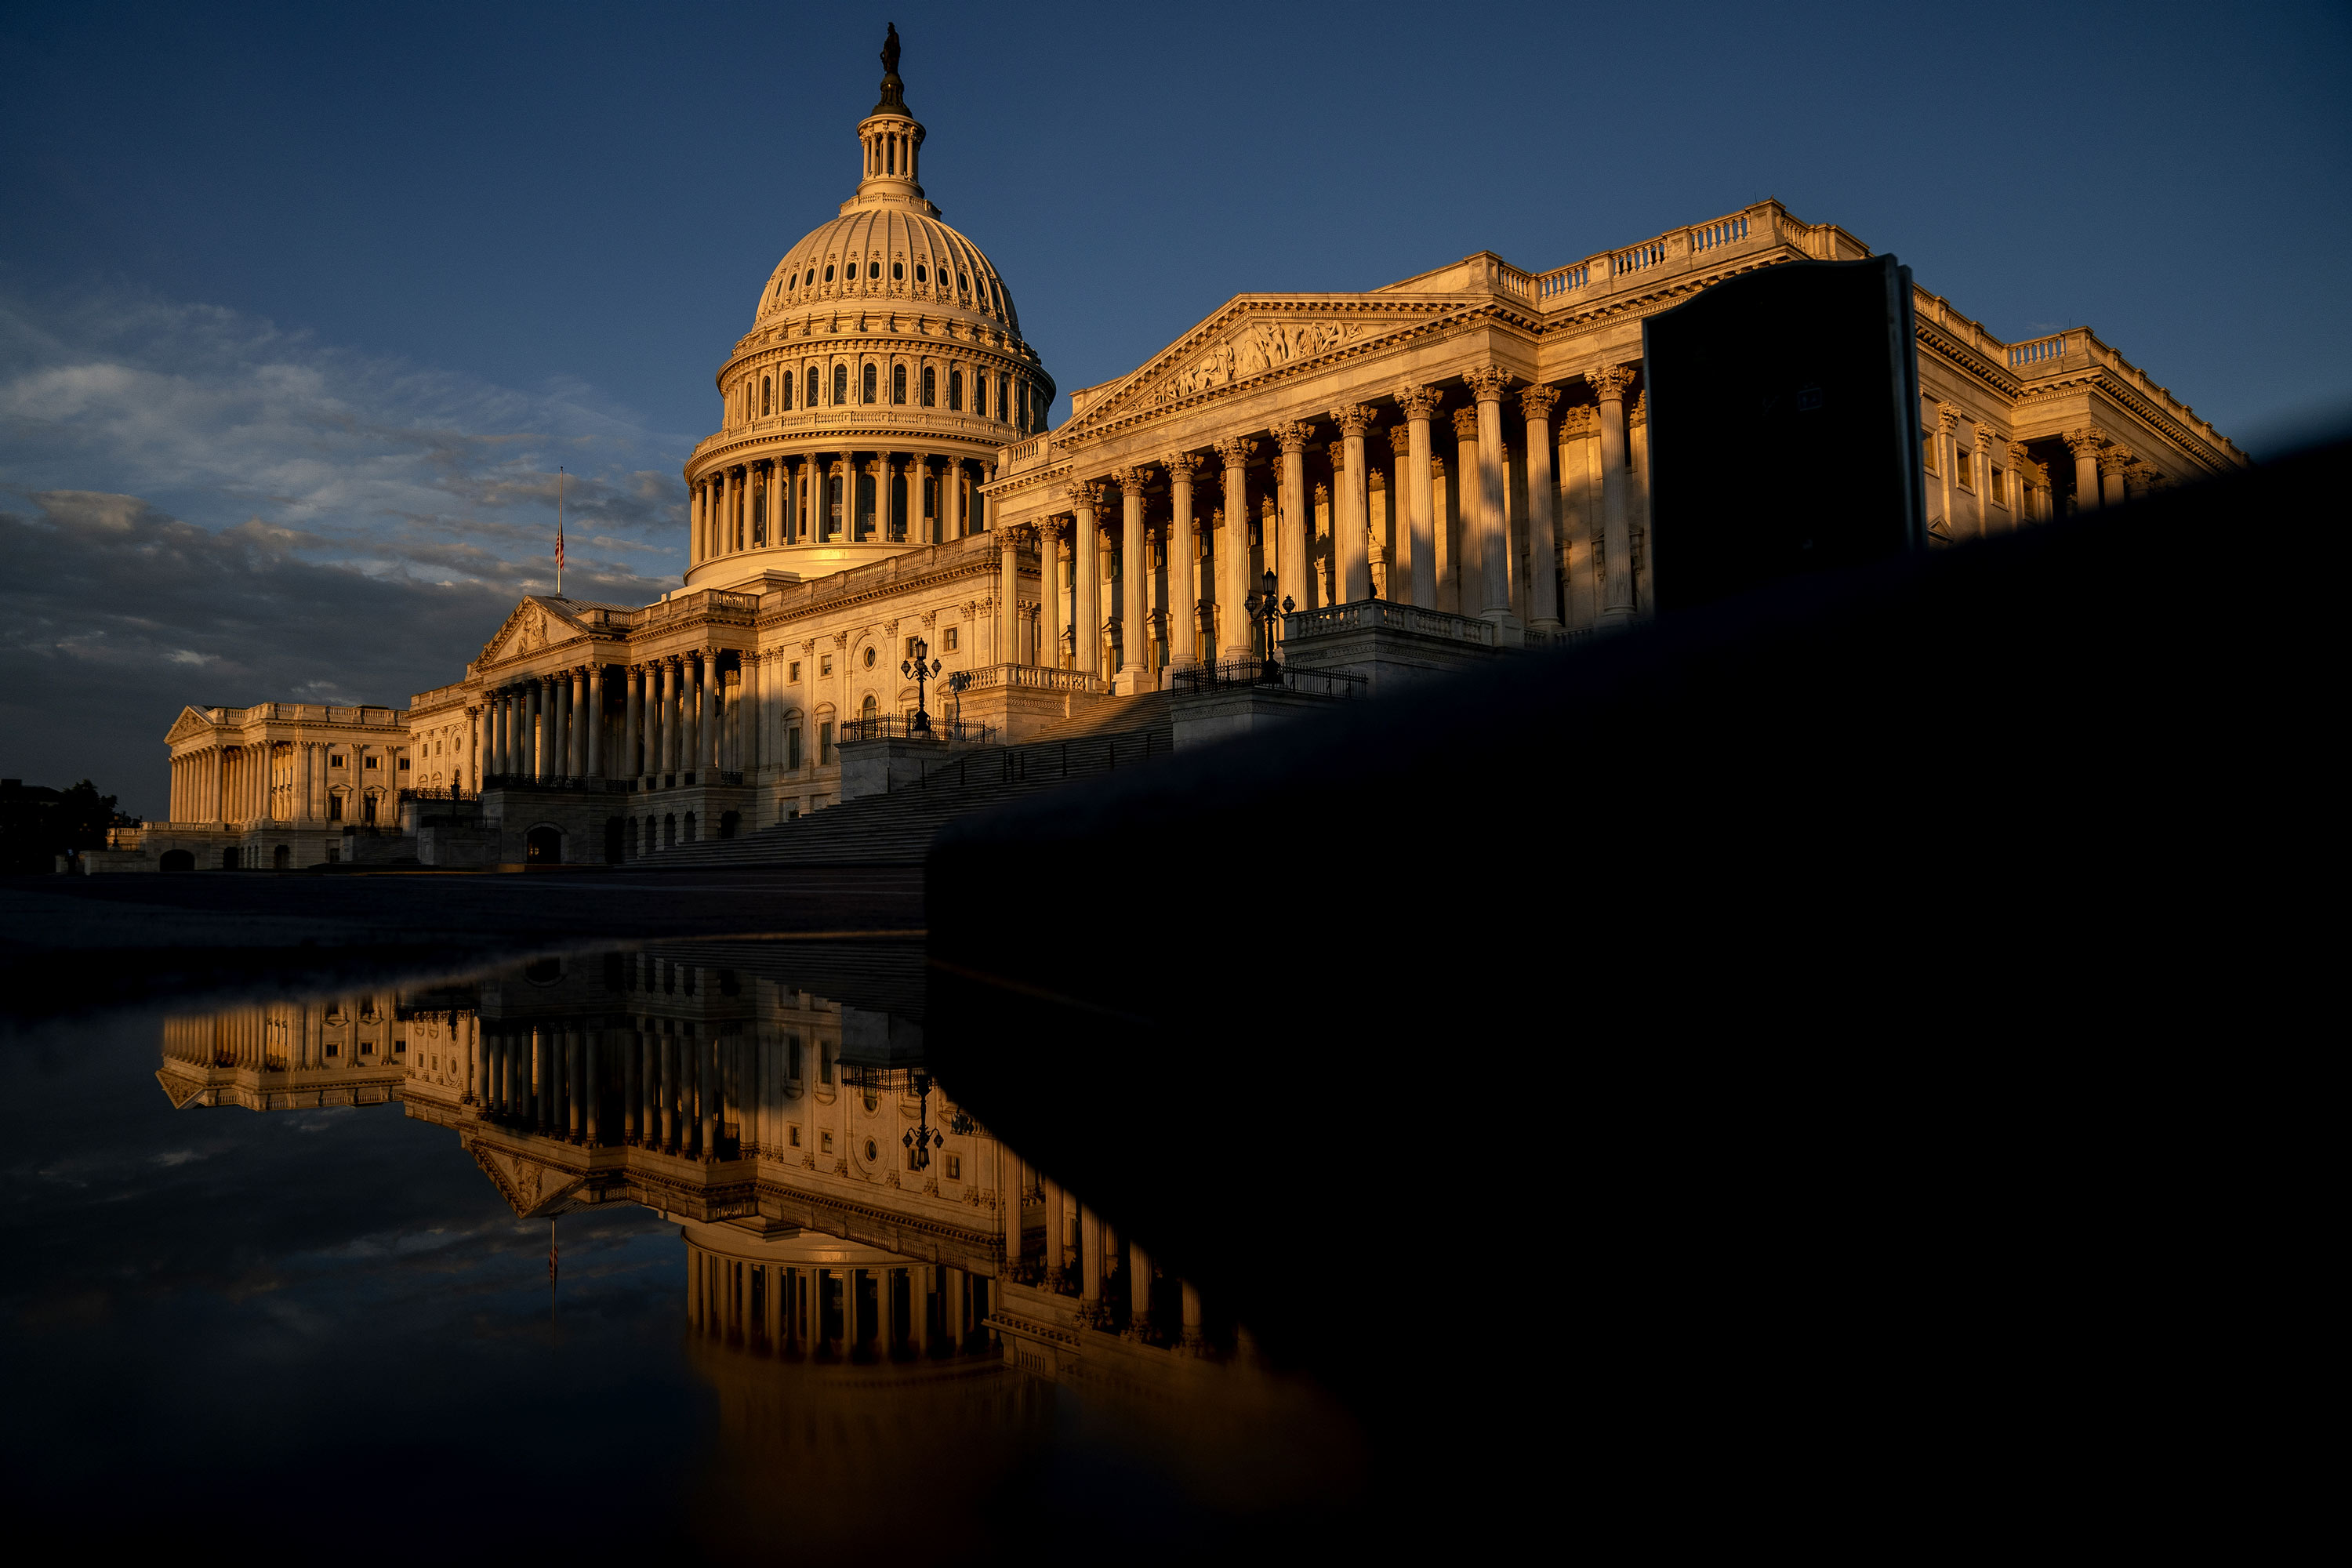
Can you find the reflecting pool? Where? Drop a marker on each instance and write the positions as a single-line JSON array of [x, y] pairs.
[[676, 1248]]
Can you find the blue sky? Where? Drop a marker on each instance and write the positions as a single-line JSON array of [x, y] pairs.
[[302, 306]]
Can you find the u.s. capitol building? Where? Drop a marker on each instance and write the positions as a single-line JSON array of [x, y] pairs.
[[1432, 473]]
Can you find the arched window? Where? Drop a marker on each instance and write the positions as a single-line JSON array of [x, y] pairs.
[[809, 400], [980, 395], [784, 392], [766, 395], [897, 272], [897, 384], [931, 387], [920, 276], [955, 391], [810, 282], [841, 384], [963, 281], [868, 387], [869, 709], [873, 271], [1004, 398], [828, 273]]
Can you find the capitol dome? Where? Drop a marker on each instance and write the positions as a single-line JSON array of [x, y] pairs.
[[884, 369]]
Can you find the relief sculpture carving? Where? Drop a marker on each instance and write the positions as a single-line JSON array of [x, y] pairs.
[[1254, 351]]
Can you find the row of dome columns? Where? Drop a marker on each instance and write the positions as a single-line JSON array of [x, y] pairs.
[[745, 506], [545, 729]]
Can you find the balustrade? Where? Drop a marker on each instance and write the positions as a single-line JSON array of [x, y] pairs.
[[1365, 614]]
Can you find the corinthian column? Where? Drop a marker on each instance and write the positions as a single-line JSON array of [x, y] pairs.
[[1352, 528], [667, 761], [1489, 382], [1420, 404], [1543, 552], [1134, 577], [1008, 593], [1291, 569], [1461, 575], [1054, 580], [633, 714], [2084, 445], [1232, 552], [1184, 592], [1947, 421], [1609, 382], [1087, 606], [2114, 463]]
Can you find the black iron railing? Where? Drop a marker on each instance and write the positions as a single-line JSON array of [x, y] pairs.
[[1256, 672], [899, 727]]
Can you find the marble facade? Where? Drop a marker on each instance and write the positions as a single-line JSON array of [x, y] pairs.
[[1452, 466]]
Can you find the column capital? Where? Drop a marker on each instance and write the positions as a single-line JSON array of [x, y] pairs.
[[2116, 461], [1489, 382], [1609, 380], [1538, 402], [2083, 442], [1130, 480], [1181, 465], [1984, 437], [1291, 436], [1235, 450], [1465, 424], [1579, 419], [1356, 418], [1083, 494], [2018, 455], [1419, 402], [1400, 439], [1947, 419]]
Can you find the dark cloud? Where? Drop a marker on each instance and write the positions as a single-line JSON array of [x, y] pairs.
[[197, 507], [114, 616]]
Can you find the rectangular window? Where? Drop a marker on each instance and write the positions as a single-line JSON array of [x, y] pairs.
[[825, 664], [1997, 485], [824, 1145], [823, 1065], [794, 677], [792, 747], [335, 759], [334, 808], [1964, 469], [824, 745], [371, 762], [950, 639], [910, 649], [792, 1055], [955, 1168], [792, 1136], [1927, 445], [404, 764]]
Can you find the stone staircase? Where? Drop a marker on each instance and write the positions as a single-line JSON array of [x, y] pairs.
[[896, 829]]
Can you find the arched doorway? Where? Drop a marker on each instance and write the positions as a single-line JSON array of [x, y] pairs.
[[177, 860], [282, 858], [229, 859], [543, 845], [867, 713], [613, 831], [728, 822]]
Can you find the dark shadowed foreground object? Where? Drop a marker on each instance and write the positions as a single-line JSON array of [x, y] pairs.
[[1758, 1071], [1784, 427]]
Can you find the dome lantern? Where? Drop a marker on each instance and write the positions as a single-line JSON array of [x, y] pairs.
[[891, 142]]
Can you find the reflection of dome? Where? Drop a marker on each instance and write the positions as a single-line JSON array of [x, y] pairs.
[[884, 369]]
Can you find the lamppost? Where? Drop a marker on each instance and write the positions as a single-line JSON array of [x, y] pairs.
[[1264, 610], [956, 684], [913, 665], [923, 1140]]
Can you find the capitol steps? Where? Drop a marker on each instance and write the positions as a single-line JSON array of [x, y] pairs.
[[896, 829]]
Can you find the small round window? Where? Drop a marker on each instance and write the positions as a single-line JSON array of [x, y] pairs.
[[920, 276], [870, 1150], [828, 274], [873, 269], [869, 658], [897, 272]]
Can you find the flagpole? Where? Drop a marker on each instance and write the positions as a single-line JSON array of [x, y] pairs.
[[558, 533]]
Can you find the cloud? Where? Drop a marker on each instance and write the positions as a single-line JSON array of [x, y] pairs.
[[197, 507]]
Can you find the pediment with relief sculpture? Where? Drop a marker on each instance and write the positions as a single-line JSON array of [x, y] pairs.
[[535, 624], [533, 1190], [1239, 345]]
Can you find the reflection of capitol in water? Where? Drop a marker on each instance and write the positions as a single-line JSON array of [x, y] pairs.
[[838, 1209]]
